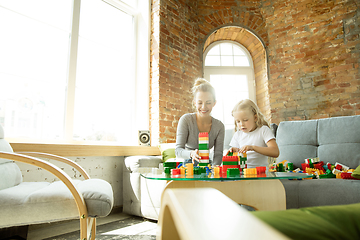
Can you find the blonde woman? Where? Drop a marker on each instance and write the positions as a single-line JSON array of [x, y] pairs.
[[253, 135], [190, 124]]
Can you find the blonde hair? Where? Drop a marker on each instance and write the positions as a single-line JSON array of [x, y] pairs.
[[247, 104], [202, 85]]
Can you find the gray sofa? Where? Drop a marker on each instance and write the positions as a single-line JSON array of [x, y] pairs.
[[333, 140]]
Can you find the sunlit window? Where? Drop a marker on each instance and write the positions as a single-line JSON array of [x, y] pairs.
[[228, 67], [68, 72], [226, 54]]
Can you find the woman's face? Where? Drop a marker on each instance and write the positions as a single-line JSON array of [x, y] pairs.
[[204, 103]]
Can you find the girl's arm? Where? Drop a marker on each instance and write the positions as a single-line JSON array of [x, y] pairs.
[[271, 150], [232, 149]]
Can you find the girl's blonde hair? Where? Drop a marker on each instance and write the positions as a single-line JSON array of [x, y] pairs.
[[202, 85], [247, 104]]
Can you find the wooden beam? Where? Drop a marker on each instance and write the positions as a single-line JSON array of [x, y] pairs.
[[73, 150]]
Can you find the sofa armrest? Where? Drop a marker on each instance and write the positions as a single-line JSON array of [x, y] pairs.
[[133, 163]]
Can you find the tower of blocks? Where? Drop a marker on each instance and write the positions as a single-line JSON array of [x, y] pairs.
[[242, 159], [204, 148], [230, 162]]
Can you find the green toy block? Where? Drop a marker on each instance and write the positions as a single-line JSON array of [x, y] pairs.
[[169, 164], [232, 172], [203, 164], [197, 170], [230, 163], [203, 146]]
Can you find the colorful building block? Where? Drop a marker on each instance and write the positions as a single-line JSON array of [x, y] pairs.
[[204, 147]]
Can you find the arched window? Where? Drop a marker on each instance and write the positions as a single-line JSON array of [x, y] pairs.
[[228, 66]]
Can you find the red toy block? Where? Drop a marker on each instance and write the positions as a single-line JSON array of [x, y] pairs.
[[230, 158], [347, 175], [260, 170], [304, 166], [203, 134], [319, 166], [175, 171]]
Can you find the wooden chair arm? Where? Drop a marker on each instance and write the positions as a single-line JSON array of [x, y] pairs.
[[206, 213], [53, 169], [60, 159]]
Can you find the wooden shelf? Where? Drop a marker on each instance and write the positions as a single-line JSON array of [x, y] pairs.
[[70, 150]]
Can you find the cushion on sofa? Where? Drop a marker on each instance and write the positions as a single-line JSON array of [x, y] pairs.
[[326, 222], [167, 151], [44, 200], [297, 140], [356, 173], [339, 140]]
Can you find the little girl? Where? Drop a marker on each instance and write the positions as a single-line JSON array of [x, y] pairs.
[[253, 135]]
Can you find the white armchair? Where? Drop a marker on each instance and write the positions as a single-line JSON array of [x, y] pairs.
[[25, 203]]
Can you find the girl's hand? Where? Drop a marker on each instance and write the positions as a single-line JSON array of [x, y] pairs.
[[233, 149], [246, 148], [195, 155]]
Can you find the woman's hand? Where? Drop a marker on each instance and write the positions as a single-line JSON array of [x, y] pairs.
[[195, 155]]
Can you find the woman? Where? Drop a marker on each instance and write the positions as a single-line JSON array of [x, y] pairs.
[[191, 124]]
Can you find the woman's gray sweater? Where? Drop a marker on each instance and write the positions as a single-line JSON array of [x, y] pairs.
[[187, 137]]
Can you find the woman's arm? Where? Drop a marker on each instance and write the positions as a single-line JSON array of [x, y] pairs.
[[182, 134], [219, 145]]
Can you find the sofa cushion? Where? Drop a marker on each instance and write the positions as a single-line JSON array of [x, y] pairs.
[[327, 222], [297, 140], [356, 173], [32, 202], [9, 171], [339, 140]]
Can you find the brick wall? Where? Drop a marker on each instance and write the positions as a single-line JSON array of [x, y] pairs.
[[314, 57], [175, 64], [306, 56]]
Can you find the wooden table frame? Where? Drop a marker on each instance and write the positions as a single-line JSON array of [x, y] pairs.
[[261, 194]]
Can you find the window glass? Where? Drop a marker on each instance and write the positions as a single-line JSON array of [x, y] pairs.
[[36, 53], [104, 73], [226, 54], [33, 64], [227, 66], [230, 89]]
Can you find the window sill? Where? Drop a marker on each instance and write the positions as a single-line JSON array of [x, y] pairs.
[[72, 150]]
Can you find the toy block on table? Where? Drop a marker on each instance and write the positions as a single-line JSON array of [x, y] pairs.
[[250, 171], [233, 172], [204, 147], [260, 170]]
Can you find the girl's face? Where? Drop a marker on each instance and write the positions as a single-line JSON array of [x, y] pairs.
[[204, 103], [245, 120]]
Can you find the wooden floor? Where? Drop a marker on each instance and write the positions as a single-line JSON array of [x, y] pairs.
[[115, 226]]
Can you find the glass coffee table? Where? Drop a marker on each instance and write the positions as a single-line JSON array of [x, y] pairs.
[[260, 191]]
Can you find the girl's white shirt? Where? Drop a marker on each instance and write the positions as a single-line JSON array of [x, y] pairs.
[[258, 137]]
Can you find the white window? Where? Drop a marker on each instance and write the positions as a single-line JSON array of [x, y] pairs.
[[228, 66], [69, 70]]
